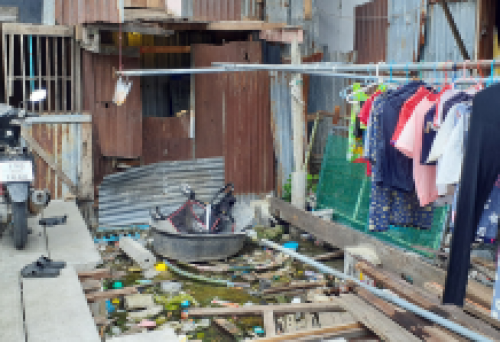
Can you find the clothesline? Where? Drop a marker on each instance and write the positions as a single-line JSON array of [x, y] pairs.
[[332, 69]]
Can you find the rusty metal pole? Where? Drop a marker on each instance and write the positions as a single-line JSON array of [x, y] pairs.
[[298, 128]]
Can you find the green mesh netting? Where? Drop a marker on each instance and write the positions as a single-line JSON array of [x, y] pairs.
[[344, 187]]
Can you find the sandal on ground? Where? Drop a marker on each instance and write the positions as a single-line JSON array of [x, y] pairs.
[[34, 270], [49, 263]]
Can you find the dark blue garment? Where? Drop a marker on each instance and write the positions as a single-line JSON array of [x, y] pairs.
[[389, 206], [395, 170], [488, 224], [428, 135]]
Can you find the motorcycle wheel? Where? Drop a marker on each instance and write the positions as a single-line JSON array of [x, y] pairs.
[[20, 222]]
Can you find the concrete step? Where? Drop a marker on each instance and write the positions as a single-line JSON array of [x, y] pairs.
[[56, 310]]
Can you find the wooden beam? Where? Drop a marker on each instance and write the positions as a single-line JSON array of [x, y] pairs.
[[469, 306], [343, 330], [393, 259], [293, 287], [101, 273], [104, 295], [35, 146], [86, 179], [454, 30], [243, 26], [328, 256], [141, 28], [425, 300], [257, 310], [269, 326], [381, 325], [411, 322], [228, 327], [38, 30], [59, 119], [165, 49], [9, 14]]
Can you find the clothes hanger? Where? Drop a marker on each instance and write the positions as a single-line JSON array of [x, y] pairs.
[[492, 74]]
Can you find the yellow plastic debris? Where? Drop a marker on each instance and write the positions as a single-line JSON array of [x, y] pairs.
[[115, 301], [161, 267], [134, 269]]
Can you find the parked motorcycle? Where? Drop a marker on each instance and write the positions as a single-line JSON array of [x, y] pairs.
[[17, 170]]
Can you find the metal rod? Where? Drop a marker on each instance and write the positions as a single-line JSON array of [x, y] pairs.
[[382, 294]]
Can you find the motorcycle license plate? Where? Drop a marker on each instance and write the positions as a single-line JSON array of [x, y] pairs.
[[16, 171]]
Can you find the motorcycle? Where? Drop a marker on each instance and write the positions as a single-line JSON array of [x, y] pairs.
[[196, 217], [17, 170]]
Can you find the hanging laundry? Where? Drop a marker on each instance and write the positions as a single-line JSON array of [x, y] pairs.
[[480, 171], [355, 142]]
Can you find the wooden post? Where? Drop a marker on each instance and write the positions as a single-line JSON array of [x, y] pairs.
[[298, 176]]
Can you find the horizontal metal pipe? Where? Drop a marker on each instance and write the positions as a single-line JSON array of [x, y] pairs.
[[381, 67], [382, 294]]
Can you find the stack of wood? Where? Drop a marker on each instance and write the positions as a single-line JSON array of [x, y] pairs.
[[160, 4]]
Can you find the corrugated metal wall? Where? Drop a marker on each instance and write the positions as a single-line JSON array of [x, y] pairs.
[[406, 30], [118, 129], [370, 40], [217, 10], [440, 44], [233, 116], [166, 139], [126, 198], [72, 12]]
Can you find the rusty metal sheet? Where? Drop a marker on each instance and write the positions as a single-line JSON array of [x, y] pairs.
[[370, 39], [216, 10], [73, 12], [118, 130], [166, 139], [233, 117], [64, 143]]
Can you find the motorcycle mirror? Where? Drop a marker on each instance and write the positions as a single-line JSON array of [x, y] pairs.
[[38, 95]]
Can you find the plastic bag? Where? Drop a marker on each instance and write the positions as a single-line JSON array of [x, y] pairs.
[[121, 91]]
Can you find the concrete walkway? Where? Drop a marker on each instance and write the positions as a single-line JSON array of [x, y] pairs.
[[36, 310]]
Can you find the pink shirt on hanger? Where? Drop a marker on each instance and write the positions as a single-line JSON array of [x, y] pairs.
[[410, 144]]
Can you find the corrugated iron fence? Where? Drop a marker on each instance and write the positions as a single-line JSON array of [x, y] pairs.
[[233, 116]]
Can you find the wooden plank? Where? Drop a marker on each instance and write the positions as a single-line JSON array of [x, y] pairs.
[[101, 273], [308, 10], [381, 325], [104, 295], [72, 69], [11, 65], [5, 70], [9, 14], [269, 326], [425, 300], [42, 30], [39, 64], [91, 285], [23, 70], [243, 26], [229, 327], [78, 79], [57, 100], [49, 160], [165, 49], [350, 330], [64, 70], [469, 306], [143, 28], [393, 259], [291, 287], [260, 309], [328, 256], [86, 184], [48, 73], [411, 322]]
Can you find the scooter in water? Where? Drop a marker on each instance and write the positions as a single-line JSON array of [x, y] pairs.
[[17, 170]]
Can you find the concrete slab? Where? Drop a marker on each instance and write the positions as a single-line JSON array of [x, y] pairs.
[[11, 262], [11, 313], [167, 335], [71, 241], [56, 310]]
